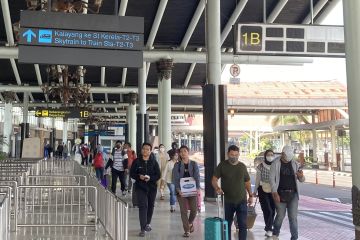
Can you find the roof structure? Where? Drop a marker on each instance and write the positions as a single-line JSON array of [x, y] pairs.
[[174, 26]]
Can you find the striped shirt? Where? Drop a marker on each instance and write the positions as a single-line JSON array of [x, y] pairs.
[[118, 160]]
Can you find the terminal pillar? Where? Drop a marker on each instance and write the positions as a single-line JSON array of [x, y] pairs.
[[8, 121], [333, 145], [352, 40], [213, 105], [314, 139], [64, 133], [160, 113], [142, 133], [164, 69], [131, 119]]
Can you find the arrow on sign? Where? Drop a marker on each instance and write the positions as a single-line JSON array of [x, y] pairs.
[[29, 34], [38, 113]]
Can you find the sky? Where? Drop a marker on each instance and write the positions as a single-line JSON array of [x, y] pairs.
[[322, 69]]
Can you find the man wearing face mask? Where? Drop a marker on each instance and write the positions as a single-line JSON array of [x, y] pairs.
[[235, 182], [263, 188], [284, 176]]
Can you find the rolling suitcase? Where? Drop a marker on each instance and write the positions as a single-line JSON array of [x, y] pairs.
[[216, 228]]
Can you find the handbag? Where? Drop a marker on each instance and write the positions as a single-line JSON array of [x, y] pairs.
[[286, 195], [266, 187]]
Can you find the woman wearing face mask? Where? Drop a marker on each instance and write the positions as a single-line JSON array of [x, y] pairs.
[[163, 159], [167, 177], [263, 188], [284, 177]]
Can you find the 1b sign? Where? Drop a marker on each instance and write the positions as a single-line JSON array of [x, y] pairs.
[[251, 38]]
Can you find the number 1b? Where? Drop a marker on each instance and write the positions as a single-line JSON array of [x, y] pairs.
[[254, 38]]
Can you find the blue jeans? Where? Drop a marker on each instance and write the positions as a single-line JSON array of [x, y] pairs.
[[292, 209], [99, 173], [172, 194], [241, 213]]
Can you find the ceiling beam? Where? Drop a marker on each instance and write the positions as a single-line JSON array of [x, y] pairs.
[[196, 57], [232, 20], [277, 10], [330, 6], [156, 23], [317, 8], [122, 11]]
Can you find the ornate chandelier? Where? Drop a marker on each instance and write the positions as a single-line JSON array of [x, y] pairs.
[[68, 87]]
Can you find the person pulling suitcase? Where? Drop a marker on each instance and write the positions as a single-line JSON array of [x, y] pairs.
[[233, 171]]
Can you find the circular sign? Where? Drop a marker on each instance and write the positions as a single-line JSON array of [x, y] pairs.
[[235, 70]]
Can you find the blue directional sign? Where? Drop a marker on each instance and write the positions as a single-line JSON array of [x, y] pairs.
[[81, 39], [28, 35]]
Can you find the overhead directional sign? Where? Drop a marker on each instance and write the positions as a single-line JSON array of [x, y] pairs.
[[293, 40], [62, 113], [79, 39]]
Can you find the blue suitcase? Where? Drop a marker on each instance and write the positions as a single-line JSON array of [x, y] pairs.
[[216, 228]]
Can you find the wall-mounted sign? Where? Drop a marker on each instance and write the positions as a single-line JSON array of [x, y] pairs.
[[80, 39], [62, 113], [235, 70], [293, 40]]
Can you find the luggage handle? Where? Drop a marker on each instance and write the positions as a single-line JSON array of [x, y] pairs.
[[220, 203]]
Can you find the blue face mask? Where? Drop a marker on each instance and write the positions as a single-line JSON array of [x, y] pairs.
[[233, 159]]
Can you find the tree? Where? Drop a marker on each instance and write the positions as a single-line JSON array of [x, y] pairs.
[[266, 143]]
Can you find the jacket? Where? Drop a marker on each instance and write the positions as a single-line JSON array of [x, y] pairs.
[[142, 167], [275, 175], [178, 172]]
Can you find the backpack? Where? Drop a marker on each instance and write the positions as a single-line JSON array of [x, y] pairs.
[[98, 160]]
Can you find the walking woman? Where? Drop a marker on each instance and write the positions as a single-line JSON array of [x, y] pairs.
[[182, 169], [163, 159], [263, 188], [167, 177]]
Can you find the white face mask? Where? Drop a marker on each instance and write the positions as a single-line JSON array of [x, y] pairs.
[[270, 158], [162, 149], [289, 156]]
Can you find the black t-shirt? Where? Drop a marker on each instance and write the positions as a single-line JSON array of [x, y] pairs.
[[186, 170], [287, 177]]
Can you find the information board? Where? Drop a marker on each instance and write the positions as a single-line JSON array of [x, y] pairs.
[[80, 39], [293, 40], [62, 113]]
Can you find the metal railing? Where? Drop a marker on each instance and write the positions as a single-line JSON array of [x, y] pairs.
[[8, 192], [13, 198], [75, 180], [4, 216], [57, 206]]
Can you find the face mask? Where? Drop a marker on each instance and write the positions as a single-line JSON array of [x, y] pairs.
[[270, 158], [233, 160], [162, 149], [125, 150], [289, 156]]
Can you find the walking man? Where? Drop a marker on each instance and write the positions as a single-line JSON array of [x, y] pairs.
[[235, 182], [146, 172], [284, 176]]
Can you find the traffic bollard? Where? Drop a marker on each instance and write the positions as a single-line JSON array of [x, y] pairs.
[[316, 177], [333, 179]]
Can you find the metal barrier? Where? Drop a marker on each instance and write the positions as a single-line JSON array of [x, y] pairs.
[[13, 195], [74, 180], [113, 212], [4, 216], [56, 206], [56, 167], [8, 192]]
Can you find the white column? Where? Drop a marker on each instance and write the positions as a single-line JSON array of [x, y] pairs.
[[189, 141], [314, 140], [213, 45], [86, 134], [333, 145], [8, 126], [179, 145], [65, 133], [25, 109], [256, 141], [164, 68], [160, 111], [142, 97], [132, 119], [352, 40]]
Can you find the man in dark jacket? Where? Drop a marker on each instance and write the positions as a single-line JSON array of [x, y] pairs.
[[146, 172]]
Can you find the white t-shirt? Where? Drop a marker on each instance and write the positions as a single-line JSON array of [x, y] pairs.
[[118, 160]]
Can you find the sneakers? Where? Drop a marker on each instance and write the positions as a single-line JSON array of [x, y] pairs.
[[142, 233], [268, 233], [162, 197], [186, 235], [274, 237], [172, 208], [148, 228], [124, 193]]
